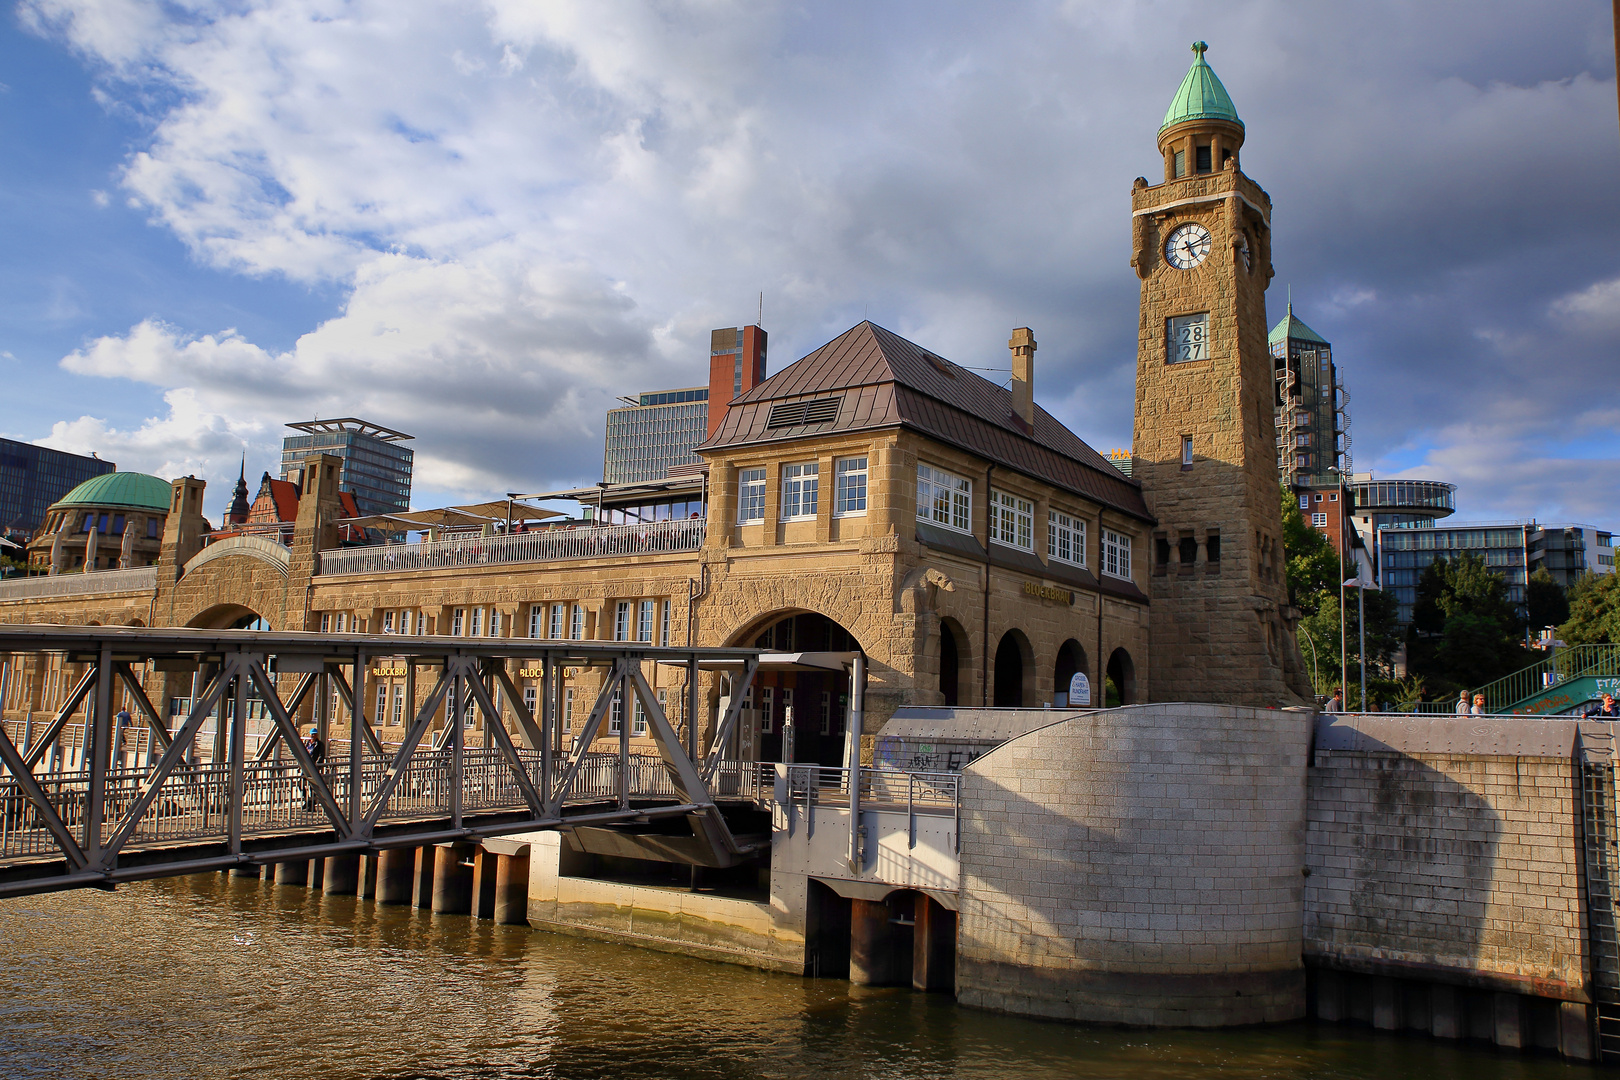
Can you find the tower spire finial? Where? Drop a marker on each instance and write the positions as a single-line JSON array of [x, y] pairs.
[[1200, 47]]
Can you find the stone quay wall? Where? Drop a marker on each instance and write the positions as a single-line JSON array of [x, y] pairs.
[[1139, 866]]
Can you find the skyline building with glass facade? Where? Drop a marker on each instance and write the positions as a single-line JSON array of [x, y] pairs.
[[376, 467], [33, 477], [645, 440]]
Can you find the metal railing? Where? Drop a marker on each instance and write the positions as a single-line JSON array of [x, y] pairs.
[[545, 545], [134, 579], [828, 785], [1571, 662]]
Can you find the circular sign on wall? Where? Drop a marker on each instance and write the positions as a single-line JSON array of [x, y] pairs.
[[1080, 691]]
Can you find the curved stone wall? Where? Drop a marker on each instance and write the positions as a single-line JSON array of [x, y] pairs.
[[1140, 865]]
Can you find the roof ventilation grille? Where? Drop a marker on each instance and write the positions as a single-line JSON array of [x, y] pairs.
[[799, 413]]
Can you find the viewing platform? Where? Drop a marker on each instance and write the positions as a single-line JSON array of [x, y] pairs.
[[538, 546]]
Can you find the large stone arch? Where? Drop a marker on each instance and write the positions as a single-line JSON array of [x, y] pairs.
[[1121, 677], [243, 577], [226, 616], [820, 699], [1013, 673]]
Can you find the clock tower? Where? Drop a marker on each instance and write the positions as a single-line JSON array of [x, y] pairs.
[[1205, 438]]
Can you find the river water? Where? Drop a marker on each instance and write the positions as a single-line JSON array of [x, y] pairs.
[[210, 976]]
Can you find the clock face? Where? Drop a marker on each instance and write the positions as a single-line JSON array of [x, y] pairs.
[[1188, 246]]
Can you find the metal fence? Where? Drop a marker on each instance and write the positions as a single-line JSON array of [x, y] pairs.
[[1574, 662], [195, 802], [880, 788], [135, 579], [545, 545]]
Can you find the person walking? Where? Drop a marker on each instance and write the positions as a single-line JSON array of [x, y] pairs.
[[1335, 704], [1608, 710], [316, 749], [1479, 705], [1462, 704]]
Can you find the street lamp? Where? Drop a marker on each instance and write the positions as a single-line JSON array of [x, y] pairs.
[[1361, 629]]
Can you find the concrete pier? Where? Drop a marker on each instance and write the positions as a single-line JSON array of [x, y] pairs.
[[422, 878], [342, 875], [452, 881], [512, 888], [293, 873], [396, 869], [368, 877], [874, 946], [483, 884]]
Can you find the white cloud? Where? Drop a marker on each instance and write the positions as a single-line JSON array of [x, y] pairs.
[[1594, 308], [535, 207], [100, 198]]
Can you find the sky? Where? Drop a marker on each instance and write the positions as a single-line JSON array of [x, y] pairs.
[[481, 222]]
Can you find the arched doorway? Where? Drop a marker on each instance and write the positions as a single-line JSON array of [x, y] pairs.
[[1071, 659], [1014, 668], [1121, 688], [952, 652], [816, 697]]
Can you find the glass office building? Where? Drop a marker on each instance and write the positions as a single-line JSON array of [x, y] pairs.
[[1313, 438], [32, 478], [376, 467], [1405, 551], [645, 440]]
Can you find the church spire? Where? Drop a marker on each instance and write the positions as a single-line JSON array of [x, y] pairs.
[[240, 507]]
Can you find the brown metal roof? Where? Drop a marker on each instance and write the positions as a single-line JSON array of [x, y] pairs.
[[883, 380]]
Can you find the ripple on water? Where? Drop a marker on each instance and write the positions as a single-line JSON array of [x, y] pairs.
[[211, 976]]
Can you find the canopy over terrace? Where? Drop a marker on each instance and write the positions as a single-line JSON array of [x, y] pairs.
[[473, 516]]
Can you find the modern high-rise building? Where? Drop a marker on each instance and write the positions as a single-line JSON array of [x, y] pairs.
[[33, 477], [376, 467], [646, 439], [1405, 551], [1568, 551], [657, 433], [1313, 438]]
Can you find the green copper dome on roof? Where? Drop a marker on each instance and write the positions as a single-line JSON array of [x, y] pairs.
[[1291, 327], [132, 489], [1201, 97]]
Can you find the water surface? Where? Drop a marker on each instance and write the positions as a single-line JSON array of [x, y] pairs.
[[210, 976]]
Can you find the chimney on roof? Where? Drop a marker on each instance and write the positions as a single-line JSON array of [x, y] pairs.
[[1023, 375]]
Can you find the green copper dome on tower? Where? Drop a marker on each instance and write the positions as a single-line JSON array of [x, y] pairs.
[[1294, 327], [1201, 97]]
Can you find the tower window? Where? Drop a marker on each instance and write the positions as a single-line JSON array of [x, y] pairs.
[[1186, 452], [1181, 163], [1202, 159], [1212, 549]]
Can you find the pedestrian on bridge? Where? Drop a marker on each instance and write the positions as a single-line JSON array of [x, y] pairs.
[[1479, 705], [1462, 704], [1335, 704], [316, 749], [1609, 710]]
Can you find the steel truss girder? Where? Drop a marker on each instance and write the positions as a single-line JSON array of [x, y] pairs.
[[234, 664]]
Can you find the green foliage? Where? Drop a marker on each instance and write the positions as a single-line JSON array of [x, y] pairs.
[[1313, 566], [1546, 600], [1594, 611], [1465, 633], [1321, 629]]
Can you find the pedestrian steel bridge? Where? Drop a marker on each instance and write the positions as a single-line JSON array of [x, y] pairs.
[[182, 806]]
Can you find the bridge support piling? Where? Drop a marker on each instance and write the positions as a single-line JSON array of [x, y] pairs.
[[483, 883], [512, 889], [395, 869], [452, 881], [368, 877], [317, 873], [292, 873], [872, 945], [342, 875], [422, 878], [933, 951], [245, 870]]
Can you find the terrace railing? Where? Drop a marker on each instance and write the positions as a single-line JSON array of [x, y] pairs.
[[544, 545], [135, 579]]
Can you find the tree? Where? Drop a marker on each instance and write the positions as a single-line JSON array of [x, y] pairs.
[[1546, 600], [1464, 631], [1594, 611], [1312, 563], [1321, 629]]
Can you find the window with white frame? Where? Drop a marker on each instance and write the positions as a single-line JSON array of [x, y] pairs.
[[826, 712], [849, 491], [537, 620], [663, 703], [638, 717], [1319, 520], [396, 716], [801, 483], [531, 698], [568, 713], [750, 496], [576, 627], [1305, 502], [458, 619], [559, 622], [382, 702], [615, 714], [663, 629], [494, 622], [646, 610], [944, 499], [1013, 520], [332, 622], [476, 623], [767, 709], [1065, 538], [388, 622], [621, 621], [1116, 554]]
